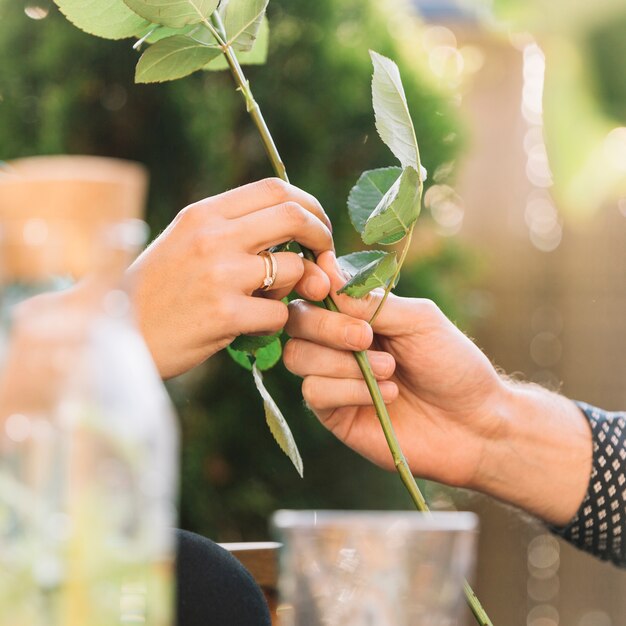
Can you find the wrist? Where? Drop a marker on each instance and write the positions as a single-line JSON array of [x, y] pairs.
[[541, 461]]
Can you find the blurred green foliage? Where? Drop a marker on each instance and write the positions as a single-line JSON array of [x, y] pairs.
[[607, 51], [62, 91]]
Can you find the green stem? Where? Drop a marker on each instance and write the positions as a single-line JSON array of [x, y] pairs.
[[251, 104], [400, 461], [394, 279]]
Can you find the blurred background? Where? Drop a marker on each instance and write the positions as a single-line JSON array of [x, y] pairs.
[[520, 111]]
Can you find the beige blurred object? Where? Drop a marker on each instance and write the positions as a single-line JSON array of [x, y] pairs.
[[67, 199]]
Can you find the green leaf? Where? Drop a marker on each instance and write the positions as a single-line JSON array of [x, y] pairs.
[[110, 19], [269, 356], [242, 20], [277, 423], [173, 13], [252, 343], [353, 263], [156, 32], [256, 56], [368, 192], [377, 273], [173, 58], [264, 358], [241, 358], [393, 120], [396, 212]]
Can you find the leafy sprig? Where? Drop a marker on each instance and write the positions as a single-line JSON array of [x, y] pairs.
[[185, 36], [385, 203]]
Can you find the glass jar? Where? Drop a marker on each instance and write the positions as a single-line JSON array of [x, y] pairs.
[[88, 438], [358, 568]]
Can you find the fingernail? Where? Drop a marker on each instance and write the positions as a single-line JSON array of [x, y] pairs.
[[355, 336], [388, 389], [381, 362]]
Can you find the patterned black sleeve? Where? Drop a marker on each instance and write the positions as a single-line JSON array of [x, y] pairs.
[[600, 523]]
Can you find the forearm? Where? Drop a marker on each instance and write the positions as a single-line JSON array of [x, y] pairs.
[[542, 461]]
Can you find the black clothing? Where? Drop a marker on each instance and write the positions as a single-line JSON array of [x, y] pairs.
[[214, 589], [600, 524]]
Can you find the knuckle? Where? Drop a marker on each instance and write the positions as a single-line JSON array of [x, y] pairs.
[[211, 237], [354, 390], [219, 273], [276, 187], [223, 309], [430, 309], [187, 216], [294, 214]]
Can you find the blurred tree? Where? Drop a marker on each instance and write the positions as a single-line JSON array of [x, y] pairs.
[[607, 46], [62, 91]]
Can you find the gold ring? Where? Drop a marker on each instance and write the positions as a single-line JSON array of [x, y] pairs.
[[271, 269]]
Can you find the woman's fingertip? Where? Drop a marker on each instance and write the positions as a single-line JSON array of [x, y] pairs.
[[315, 288]]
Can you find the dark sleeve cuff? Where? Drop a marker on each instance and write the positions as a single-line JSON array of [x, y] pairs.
[[600, 523]]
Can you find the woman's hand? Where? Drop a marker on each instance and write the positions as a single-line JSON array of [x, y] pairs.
[[196, 286], [457, 420]]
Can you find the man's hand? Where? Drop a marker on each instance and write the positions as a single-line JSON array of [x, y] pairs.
[[457, 420]]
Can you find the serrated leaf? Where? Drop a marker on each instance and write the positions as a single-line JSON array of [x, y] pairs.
[[241, 358], [368, 192], [353, 263], [173, 58], [264, 358], [252, 343], [256, 56], [242, 20], [393, 120], [277, 423], [173, 13], [110, 19], [396, 212], [375, 274], [156, 32]]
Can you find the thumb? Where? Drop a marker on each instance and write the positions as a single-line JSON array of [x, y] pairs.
[[361, 308], [398, 315]]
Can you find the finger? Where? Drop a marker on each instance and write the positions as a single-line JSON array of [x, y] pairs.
[[252, 315], [261, 195], [314, 284], [275, 294], [289, 271], [304, 358], [284, 222], [362, 308], [398, 316], [334, 330], [322, 394]]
